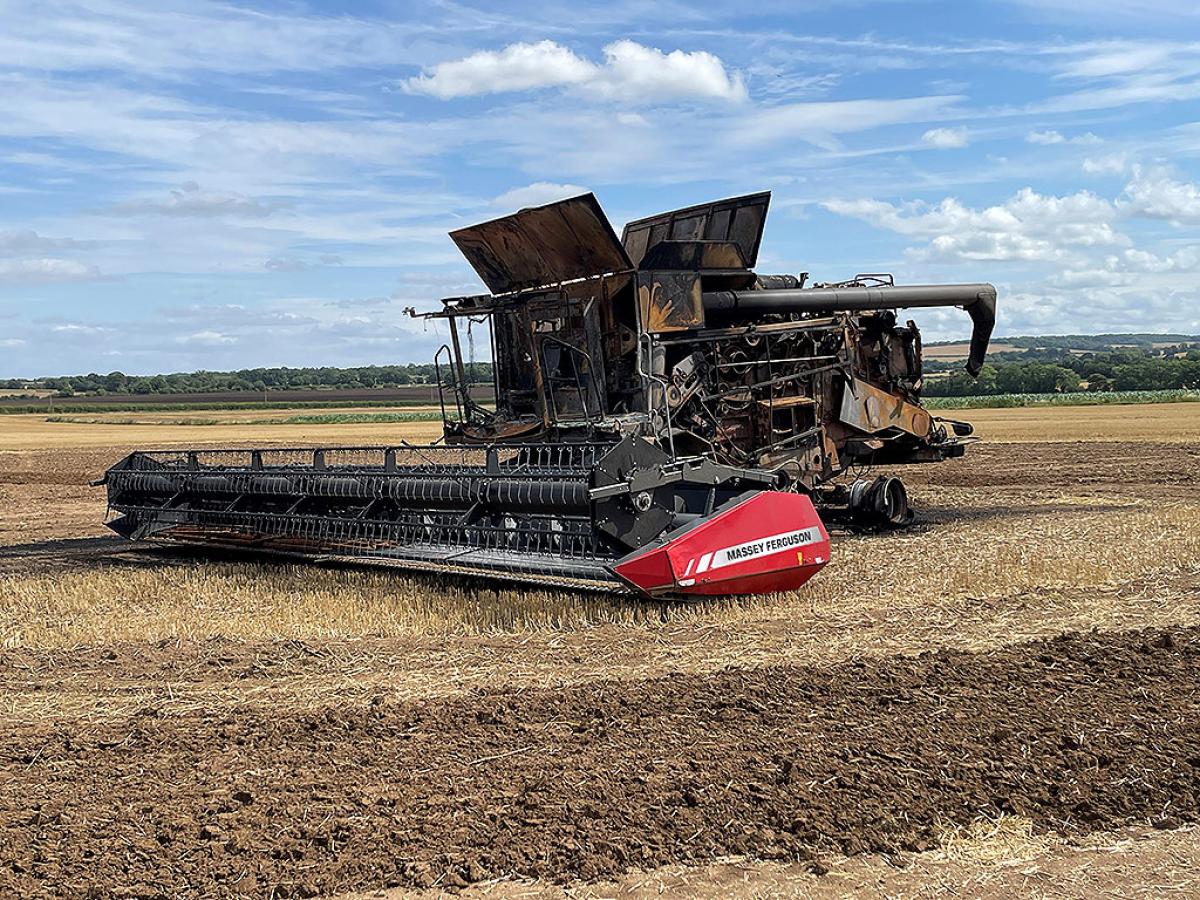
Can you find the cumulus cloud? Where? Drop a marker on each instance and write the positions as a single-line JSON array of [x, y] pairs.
[[946, 138], [518, 67], [1111, 164], [630, 72], [46, 269], [1028, 227], [1131, 267], [1154, 194], [536, 194], [191, 200], [1136, 260], [633, 71], [1045, 137]]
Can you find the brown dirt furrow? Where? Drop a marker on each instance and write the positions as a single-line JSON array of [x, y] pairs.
[[1077, 733], [1128, 469]]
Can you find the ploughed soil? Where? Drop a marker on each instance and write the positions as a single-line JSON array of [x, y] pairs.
[[1076, 733]]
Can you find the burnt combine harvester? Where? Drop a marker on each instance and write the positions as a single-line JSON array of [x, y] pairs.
[[667, 421]]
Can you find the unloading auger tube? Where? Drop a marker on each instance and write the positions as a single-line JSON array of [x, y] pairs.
[[667, 420], [979, 301]]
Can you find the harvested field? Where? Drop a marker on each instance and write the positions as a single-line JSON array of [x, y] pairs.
[[961, 349], [414, 393], [1025, 658]]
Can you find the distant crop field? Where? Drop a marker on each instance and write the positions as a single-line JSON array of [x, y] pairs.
[[952, 352], [1073, 398], [329, 418], [412, 395]]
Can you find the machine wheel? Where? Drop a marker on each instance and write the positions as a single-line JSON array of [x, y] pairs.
[[882, 503]]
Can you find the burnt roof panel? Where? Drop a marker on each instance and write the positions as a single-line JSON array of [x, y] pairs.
[[543, 245]]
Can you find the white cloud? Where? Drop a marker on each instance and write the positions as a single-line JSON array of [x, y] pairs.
[[1185, 260], [1044, 137], [636, 74], [518, 67], [946, 138], [79, 328], [46, 269], [1154, 194], [190, 200], [630, 72], [1111, 164], [208, 339], [1051, 137], [1117, 73], [1028, 227], [536, 194]]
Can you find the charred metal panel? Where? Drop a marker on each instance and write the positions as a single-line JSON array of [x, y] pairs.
[[872, 410], [543, 245], [670, 301], [694, 255], [738, 220]]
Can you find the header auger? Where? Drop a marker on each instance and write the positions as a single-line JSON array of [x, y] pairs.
[[667, 421]]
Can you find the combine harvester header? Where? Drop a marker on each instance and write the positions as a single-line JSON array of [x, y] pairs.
[[667, 421]]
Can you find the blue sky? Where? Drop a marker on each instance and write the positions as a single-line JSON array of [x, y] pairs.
[[203, 185]]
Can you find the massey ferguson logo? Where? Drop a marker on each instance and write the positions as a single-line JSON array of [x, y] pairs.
[[740, 553]]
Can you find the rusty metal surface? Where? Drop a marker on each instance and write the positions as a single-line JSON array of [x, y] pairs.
[[873, 410], [669, 301], [738, 220], [543, 245]]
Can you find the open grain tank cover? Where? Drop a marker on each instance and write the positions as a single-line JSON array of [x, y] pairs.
[[738, 220], [543, 245]]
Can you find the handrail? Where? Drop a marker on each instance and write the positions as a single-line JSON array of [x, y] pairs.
[[437, 372], [575, 352]]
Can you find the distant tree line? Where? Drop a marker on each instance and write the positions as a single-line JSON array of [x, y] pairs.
[[276, 379], [1090, 342], [1100, 342], [1035, 371], [1060, 372]]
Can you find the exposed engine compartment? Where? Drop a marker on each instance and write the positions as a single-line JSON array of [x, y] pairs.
[[685, 345]]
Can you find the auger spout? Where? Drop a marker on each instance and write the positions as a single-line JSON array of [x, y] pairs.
[[979, 300]]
